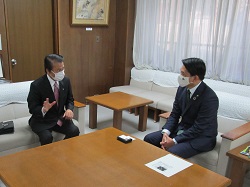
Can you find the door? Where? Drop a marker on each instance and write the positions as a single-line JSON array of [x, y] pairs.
[[30, 37]]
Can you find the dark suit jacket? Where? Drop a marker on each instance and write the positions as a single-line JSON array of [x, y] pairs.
[[41, 89], [198, 119]]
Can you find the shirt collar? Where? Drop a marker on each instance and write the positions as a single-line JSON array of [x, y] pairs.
[[51, 81], [192, 90]]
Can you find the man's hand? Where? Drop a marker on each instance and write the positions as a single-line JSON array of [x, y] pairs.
[[68, 114], [166, 142], [47, 105]]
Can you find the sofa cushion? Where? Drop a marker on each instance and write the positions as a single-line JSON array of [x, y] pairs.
[[22, 136], [166, 104], [154, 96], [209, 159]]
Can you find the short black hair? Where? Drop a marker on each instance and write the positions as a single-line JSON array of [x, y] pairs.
[[195, 66], [49, 59]]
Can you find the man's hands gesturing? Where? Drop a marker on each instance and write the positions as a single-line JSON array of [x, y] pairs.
[[47, 105]]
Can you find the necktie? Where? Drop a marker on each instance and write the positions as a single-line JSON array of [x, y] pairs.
[[188, 96], [56, 93]]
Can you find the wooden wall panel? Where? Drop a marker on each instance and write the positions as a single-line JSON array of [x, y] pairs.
[[88, 63], [124, 41]]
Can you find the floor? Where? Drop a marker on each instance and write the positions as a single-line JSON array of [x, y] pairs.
[[129, 122]]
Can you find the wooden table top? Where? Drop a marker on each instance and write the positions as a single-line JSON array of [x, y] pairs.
[[119, 100], [235, 153], [98, 159]]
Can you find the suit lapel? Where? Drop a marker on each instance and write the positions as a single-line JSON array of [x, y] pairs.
[[61, 92], [196, 96], [47, 87]]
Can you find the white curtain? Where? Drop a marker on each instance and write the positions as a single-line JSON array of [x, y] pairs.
[[217, 31]]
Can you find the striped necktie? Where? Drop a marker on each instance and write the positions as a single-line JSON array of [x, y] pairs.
[[56, 92], [188, 96]]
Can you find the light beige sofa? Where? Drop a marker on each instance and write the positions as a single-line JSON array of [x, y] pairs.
[[233, 113], [13, 106]]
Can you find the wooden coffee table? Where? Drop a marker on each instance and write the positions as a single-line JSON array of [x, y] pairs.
[[118, 101], [98, 159]]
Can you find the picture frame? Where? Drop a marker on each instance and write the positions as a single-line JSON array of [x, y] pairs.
[[89, 12]]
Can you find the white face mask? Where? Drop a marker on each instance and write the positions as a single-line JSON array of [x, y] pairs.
[[59, 76], [183, 81]]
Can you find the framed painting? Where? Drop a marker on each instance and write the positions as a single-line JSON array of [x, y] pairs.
[[89, 12]]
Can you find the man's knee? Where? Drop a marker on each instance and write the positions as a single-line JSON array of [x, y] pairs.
[[73, 131], [45, 139], [147, 138], [153, 138]]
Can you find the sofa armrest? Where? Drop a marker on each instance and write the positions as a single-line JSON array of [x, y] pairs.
[[163, 119], [230, 140], [79, 115], [237, 132], [165, 115]]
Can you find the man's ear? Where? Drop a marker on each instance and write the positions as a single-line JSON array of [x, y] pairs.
[[196, 78]]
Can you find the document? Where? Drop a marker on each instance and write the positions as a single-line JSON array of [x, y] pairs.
[[168, 165]]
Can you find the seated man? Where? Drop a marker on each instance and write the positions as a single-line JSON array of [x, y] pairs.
[[48, 97], [192, 125]]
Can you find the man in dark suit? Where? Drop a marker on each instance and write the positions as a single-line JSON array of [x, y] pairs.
[[192, 125], [49, 97]]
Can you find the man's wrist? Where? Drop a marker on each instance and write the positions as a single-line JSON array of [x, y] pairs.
[[44, 110], [175, 142], [165, 131]]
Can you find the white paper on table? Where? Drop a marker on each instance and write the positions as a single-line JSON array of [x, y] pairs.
[[168, 165]]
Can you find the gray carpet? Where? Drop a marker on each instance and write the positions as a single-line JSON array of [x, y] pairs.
[[129, 122]]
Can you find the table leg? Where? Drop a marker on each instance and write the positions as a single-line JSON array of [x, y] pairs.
[[117, 119], [92, 115], [143, 115], [237, 173]]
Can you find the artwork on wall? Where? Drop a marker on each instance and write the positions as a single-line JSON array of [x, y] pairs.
[[89, 12]]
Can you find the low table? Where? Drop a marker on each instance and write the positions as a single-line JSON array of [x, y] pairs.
[[118, 101], [98, 159], [239, 165]]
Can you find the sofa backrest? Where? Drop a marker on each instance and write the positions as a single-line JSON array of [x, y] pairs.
[[165, 90], [226, 124], [13, 100], [14, 92], [228, 87], [142, 85], [14, 111]]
